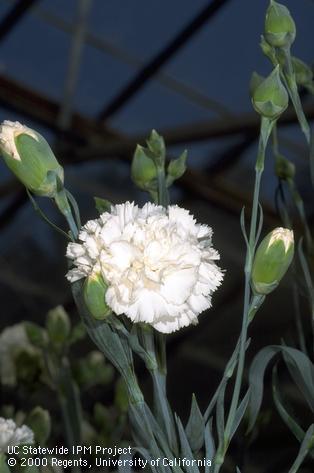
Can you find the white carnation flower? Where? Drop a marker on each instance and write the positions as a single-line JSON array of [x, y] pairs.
[[159, 263], [11, 435]]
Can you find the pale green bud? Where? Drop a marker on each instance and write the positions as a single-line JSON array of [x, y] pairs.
[[36, 334], [270, 98], [157, 147], [94, 292], [176, 168], [284, 168], [272, 259], [280, 28], [255, 81], [58, 325], [30, 158], [303, 73], [143, 169], [40, 423]]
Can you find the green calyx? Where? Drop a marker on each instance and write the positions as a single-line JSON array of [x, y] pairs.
[[280, 28], [272, 260], [270, 98], [94, 292]]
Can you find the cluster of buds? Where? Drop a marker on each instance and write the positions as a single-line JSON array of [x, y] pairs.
[[147, 160], [269, 96]]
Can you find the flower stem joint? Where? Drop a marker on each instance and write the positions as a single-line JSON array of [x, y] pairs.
[[272, 260], [28, 155], [269, 96], [280, 28]]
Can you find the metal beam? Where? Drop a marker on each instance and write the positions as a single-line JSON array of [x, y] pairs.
[[39, 108], [161, 58], [32, 105], [15, 15], [244, 124], [78, 39]]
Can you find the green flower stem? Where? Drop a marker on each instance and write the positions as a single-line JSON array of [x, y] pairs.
[[295, 195], [299, 204], [63, 205], [266, 128], [61, 380], [158, 371], [163, 195], [289, 76]]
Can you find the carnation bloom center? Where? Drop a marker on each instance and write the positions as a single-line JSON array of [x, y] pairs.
[[158, 263]]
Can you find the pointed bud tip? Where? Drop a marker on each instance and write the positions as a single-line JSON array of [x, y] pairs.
[[280, 30]]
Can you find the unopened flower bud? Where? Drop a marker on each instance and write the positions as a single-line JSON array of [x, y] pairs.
[[255, 81], [284, 168], [176, 168], [156, 145], [40, 423], [272, 259], [30, 158], [143, 169], [303, 73], [270, 98], [58, 325], [280, 28], [94, 292]]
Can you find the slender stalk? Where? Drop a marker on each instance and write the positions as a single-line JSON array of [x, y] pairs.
[[62, 382], [292, 87], [163, 195], [266, 127]]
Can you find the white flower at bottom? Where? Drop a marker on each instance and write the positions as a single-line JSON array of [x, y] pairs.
[[11, 435], [158, 263]]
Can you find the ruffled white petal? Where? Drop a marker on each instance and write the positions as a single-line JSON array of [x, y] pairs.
[[158, 263]]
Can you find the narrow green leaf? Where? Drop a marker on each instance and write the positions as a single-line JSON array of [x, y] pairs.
[[186, 451], [209, 445], [306, 445], [195, 427], [220, 414], [227, 375], [145, 454], [256, 381], [240, 413], [102, 205], [176, 168], [302, 371], [284, 414]]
